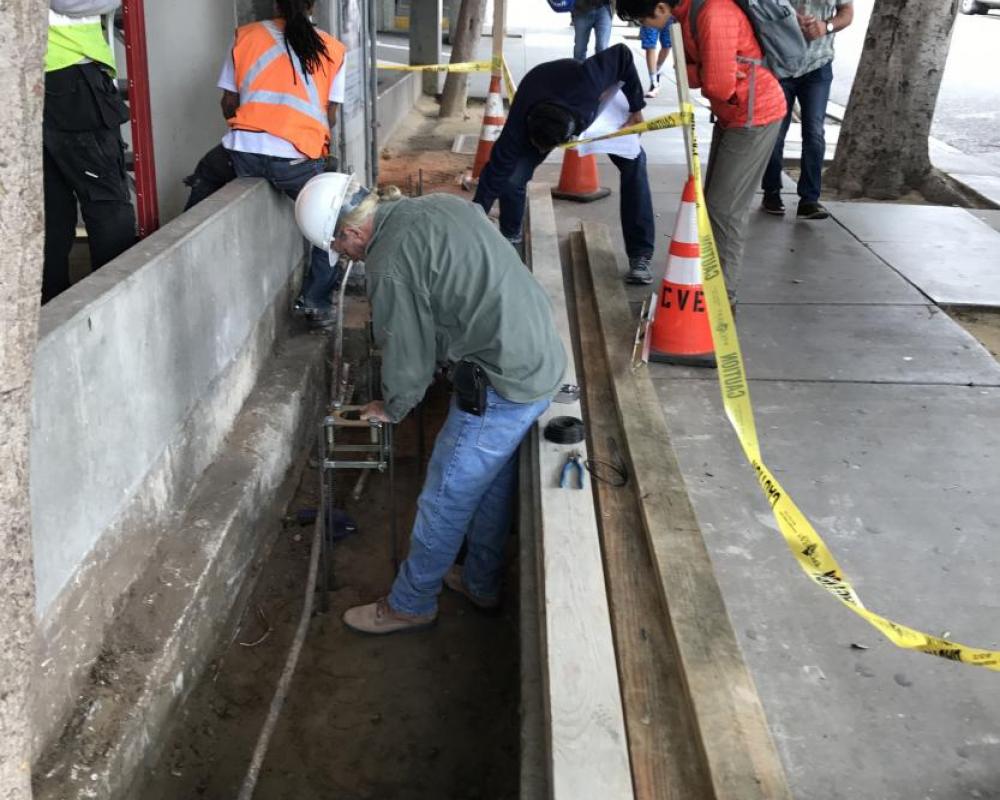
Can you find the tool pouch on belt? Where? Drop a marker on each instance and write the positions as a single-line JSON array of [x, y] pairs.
[[83, 97], [470, 382]]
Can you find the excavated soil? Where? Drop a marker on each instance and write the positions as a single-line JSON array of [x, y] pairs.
[[984, 324], [420, 153], [409, 717]]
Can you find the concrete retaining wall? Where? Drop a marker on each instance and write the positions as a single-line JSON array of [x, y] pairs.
[[140, 372], [396, 99]]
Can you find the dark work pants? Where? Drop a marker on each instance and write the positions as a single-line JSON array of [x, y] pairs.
[[289, 176], [214, 170], [812, 90], [635, 202], [85, 167]]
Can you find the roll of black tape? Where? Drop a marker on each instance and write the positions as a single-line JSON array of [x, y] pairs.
[[564, 430]]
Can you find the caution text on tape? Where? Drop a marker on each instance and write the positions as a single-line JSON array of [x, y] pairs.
[[461, 66], [808, 547], [675, 120]]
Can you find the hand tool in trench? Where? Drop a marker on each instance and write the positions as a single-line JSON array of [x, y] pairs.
[[574, 463]]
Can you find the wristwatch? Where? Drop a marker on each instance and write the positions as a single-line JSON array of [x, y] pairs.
[[829, 27]]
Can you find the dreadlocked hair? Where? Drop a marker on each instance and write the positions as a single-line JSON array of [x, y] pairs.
[[301, 36]]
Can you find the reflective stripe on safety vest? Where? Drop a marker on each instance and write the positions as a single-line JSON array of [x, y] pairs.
[[76, 39], [271, 101]]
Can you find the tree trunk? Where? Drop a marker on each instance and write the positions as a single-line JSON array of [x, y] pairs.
[[467, 31], [883, 147], [22, 45]]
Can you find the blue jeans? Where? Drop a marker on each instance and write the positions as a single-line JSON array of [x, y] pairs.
[[635, 204], [813, 92], [289, 177], [467, 496], [598, 21]]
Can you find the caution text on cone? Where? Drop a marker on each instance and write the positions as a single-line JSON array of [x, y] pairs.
[[680, 332]]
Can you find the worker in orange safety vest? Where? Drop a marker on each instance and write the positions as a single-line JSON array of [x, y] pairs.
[[281, 89]]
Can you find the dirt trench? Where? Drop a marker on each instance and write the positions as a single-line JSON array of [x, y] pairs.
[[421, 716]]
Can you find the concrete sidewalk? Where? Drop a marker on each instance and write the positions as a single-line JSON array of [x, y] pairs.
[[878, 413]]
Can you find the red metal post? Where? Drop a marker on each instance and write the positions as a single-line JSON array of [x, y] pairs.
[[147, 204]]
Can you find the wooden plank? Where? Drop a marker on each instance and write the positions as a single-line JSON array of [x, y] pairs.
[[534, 780], [732, 730], [666, 761], [588, 750]]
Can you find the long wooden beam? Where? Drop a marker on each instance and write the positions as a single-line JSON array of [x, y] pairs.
[[732, 731], [588, 751], [534, 764], [666, 761]]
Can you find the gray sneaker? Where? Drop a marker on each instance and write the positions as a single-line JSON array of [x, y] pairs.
[[638, 270]]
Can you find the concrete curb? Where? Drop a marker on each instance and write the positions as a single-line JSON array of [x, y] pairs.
[[174, 615]]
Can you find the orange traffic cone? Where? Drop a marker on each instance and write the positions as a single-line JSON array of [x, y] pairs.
[[578, 179], [680, 332], [493, 121]]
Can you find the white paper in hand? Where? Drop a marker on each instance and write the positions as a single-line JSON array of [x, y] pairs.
[[611, 115]]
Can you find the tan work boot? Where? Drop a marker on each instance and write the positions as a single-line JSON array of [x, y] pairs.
[[453, 580], [379, 618]]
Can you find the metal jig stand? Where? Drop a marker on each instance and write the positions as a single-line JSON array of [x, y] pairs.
[[377, 454]]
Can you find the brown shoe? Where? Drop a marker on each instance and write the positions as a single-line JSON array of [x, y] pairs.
[[379, 618], [453, 580]]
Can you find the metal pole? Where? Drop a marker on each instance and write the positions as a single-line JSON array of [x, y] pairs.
[[683, 90], [147, 204], [326, 489], [392, 496], [373, 88], [338, 352]]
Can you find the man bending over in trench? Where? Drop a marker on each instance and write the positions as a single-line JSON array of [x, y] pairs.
[[445, 287]]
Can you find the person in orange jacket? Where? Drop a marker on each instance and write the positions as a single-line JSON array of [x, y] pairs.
[[281, 88], [726, 61]]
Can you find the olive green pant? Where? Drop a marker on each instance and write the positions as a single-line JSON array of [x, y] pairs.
[[736, 163]]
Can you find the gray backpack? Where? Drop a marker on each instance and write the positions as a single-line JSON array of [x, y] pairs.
[[777, 30]]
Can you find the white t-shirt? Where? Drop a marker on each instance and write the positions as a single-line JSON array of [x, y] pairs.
[[257, 141]]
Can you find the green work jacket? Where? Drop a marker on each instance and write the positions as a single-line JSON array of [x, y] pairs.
[[445, 286]]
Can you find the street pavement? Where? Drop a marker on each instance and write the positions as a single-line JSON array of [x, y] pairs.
[[878, 413], [968, 109]]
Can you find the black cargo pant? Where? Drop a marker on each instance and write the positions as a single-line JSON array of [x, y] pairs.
[[83, 163]]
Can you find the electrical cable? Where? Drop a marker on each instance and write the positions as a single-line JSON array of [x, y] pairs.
[[285, 681], [618, 469], [564, 430]]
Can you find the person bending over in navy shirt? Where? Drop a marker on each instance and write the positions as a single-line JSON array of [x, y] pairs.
[[555, 102]]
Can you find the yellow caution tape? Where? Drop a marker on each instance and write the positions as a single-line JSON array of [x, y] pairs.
[[508, 80], [461, 66], [675, 120], [805, 543]]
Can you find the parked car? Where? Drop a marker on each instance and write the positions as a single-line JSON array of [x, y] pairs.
[[977, 6]]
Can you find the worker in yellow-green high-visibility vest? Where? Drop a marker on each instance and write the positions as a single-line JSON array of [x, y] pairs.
[[84, 155]]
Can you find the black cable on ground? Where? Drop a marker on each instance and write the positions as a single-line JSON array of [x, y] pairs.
[[618, 471], [565, 430], [285, 681]]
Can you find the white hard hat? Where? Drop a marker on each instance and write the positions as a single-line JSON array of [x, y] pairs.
[[320, 203]]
